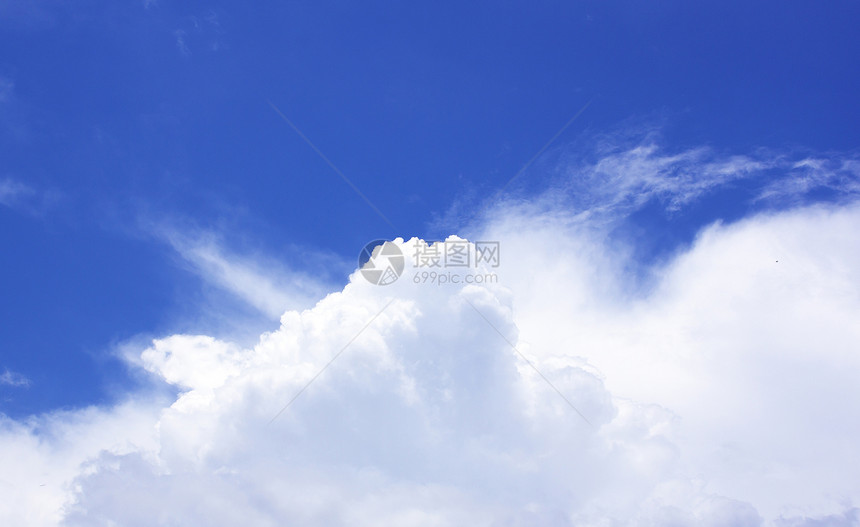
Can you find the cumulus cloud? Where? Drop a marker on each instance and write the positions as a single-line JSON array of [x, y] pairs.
[[749, 353], [42, 456], [717, 393]]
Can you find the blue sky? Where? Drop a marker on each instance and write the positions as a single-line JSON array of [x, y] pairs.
[[149, 186], [122, 114]]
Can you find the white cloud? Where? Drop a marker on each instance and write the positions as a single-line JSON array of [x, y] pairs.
[[13, 192], [632, 177], [42, 456], [810, 174], [261, 282], [24, 198], [751, 355], [11, 378], [631, 174], [719, 393], [181, 43]]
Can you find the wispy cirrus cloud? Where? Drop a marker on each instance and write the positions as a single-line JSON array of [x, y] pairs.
[[622, 174], [182, 42], [14, 379], [202, 31], [24, 198], [13, 192], [269, 286], [840, 176], [628, 179]]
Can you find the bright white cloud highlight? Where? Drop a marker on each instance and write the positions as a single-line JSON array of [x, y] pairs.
[[752, 357]]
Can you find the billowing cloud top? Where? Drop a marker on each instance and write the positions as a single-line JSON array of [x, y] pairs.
[[717, 390], [565, 387]]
